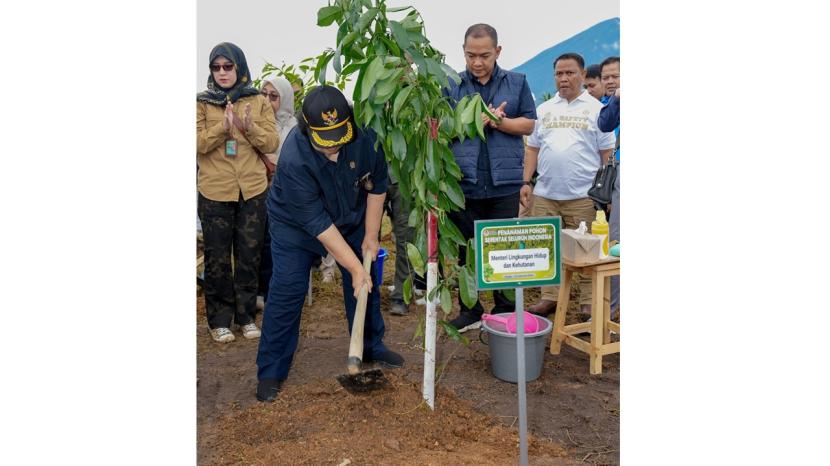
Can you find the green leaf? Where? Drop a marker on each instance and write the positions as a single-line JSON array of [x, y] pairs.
[[347, 41], [322, 65], [458, 117], [384, 89], [328, 14], [407, 290], [447, 247], [372, 73], [467, 110], [419, 60], [509, 293], [433, 292], [344, 28], [393, 46], [397, 8], [451, 168], [415, 259], [471, 130], [445, 205], [436, 71], [336, 61], [451, 73], [368, 114], [357, 97], [416, 36], [419, 330], [400, 100], [431, 165], [452, 332], [377, 123], [353, 66], [447, 227], [467, 287], [479, 123], [453, 191], [366, 18], [413, 218], [357, 52], [401, 37], [446, 299], [421, 239], [447, 123], [398, 144]]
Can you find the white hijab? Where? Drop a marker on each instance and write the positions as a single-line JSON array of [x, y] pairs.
[[285, 114]]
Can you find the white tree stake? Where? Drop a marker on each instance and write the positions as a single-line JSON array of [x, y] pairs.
[[431, 323]]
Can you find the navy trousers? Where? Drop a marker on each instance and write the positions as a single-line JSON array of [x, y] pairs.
[[284, 305], [614, 234]]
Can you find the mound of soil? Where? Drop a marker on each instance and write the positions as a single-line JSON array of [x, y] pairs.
[[320, 423]]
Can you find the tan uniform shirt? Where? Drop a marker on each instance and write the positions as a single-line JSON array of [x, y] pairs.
[[222, 177]]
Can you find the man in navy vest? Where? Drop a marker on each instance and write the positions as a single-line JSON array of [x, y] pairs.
[[609, 120], [493, 169]]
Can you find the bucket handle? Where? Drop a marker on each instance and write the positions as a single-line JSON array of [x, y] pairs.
[[481, 338]]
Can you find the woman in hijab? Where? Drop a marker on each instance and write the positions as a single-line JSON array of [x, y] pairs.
[[279, 93], [234, 126]]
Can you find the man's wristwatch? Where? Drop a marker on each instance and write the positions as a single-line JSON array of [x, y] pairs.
[[528, 183]]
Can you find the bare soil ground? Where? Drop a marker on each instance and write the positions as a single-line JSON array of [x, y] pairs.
[[573, 417]]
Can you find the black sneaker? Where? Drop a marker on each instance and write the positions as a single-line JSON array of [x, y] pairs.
[[466, 321], [398, 308], [386, 358], [268, 389]]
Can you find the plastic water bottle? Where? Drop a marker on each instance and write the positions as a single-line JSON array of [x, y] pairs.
[[600, 227]]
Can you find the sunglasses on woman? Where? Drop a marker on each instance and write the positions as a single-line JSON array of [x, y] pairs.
[[216, 67], [272, 96]]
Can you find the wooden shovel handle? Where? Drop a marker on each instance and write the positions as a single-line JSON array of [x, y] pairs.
[[356, 345]]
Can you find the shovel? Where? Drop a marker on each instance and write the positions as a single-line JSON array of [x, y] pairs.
[[357, 381]]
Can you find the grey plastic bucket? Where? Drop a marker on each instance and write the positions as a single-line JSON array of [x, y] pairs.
[[503, 350]]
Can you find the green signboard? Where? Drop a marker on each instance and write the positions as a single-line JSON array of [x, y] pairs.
[[517, 253]]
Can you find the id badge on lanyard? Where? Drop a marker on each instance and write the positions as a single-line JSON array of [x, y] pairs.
[[230, 145], [230, 148]]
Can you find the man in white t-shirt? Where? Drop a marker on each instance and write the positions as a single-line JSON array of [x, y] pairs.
[[567, 149]]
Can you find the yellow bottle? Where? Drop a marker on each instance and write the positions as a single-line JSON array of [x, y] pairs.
[[600, 227]]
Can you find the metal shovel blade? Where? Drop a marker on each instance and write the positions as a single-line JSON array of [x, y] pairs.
[[362, 382]]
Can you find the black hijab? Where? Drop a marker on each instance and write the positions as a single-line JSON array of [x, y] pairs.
[[243, 86]]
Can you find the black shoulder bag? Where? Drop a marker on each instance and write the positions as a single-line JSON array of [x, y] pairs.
[[600, 191]]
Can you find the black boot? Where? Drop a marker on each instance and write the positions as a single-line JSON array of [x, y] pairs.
[[268, 389]]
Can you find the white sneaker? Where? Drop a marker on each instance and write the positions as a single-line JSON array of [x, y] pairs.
[[222, 335], [328, 275], [250, 331]]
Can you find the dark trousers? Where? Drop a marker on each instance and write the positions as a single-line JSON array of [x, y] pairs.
[[230, 291], [284, 305], [266, 265], [485, 209], [614, 234]]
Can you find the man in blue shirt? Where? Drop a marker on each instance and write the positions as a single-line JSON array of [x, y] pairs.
[[326, 197], [492, 169], [609, 120]]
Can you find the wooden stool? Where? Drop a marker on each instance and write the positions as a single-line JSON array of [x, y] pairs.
[[600, 325]]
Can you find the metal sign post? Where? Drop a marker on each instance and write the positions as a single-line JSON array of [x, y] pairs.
[[518, 253]]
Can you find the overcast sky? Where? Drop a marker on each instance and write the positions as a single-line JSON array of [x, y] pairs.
[[277, 31]]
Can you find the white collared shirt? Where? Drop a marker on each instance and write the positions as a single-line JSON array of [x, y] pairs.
[[569, 142]]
